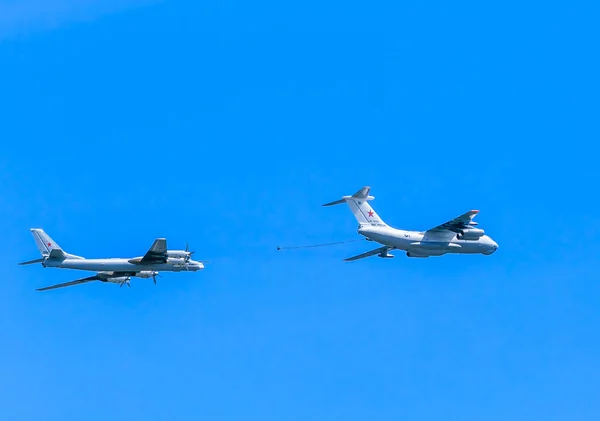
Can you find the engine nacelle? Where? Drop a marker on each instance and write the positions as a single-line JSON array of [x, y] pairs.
[[118, 279], [413, 254], [178, 254], [470, 234], [147, 274]]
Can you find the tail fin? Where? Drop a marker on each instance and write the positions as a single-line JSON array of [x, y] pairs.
[[358, 202], [48, 248]]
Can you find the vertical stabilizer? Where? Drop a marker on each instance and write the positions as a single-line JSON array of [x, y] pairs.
[[47, 246], [358, 203]]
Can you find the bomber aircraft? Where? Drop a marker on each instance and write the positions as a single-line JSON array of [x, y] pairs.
[[114, 270], [459, 235]]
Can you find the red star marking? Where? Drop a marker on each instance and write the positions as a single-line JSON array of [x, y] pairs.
[[370, 213], [49, 244]]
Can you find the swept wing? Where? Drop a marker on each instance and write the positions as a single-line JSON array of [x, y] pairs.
[[381, 250], [447, 230], [75, 282], [157, 253]]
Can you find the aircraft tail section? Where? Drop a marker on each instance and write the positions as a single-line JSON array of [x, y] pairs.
[[31, 262], [358, 203], [47, 247]]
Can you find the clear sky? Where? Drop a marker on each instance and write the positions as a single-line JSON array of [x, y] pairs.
[[227, 124]]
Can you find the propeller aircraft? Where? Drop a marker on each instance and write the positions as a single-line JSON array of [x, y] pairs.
[[113, 270]]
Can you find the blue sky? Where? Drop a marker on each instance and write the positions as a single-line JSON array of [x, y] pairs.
[[227, 125]]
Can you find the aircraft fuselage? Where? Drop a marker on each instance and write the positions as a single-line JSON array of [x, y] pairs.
[[121, 265], [414, 243]]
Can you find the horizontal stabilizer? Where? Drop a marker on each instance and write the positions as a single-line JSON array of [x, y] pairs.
[[363, 194], [362, 211], [337, 202], [30, 262]]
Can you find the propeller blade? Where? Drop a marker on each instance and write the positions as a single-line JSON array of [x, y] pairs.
[[188, 252]]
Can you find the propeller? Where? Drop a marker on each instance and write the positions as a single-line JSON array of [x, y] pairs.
[[189, 253], [154, 275], [126, 281]]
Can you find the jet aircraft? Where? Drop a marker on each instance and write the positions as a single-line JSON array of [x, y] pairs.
[[458, 235], [114, 270]]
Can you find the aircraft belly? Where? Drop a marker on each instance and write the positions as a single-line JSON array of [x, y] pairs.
[[424, 252], [114, 265], [409, 241], [433, 248], [470, 247], [99, 265]]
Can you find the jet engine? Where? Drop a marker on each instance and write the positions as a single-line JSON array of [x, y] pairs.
[[470, 234], [414, 254]]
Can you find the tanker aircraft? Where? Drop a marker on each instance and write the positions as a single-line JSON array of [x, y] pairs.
[[114, 270], [458, 235]]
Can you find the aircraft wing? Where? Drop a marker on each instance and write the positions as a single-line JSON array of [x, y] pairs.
[[68, 284], [157, 253], [369, 253], [447, 230]]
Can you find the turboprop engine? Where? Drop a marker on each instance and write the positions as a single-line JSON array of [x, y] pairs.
[[121, 280], [147, 274], [181, 254], [118, 279], [178, 254], [179, 264], [470, 234]]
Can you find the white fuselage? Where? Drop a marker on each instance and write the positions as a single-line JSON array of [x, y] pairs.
[[416, 245], [122, 265]]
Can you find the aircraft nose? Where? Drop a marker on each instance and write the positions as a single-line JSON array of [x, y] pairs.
[[494, 246]]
